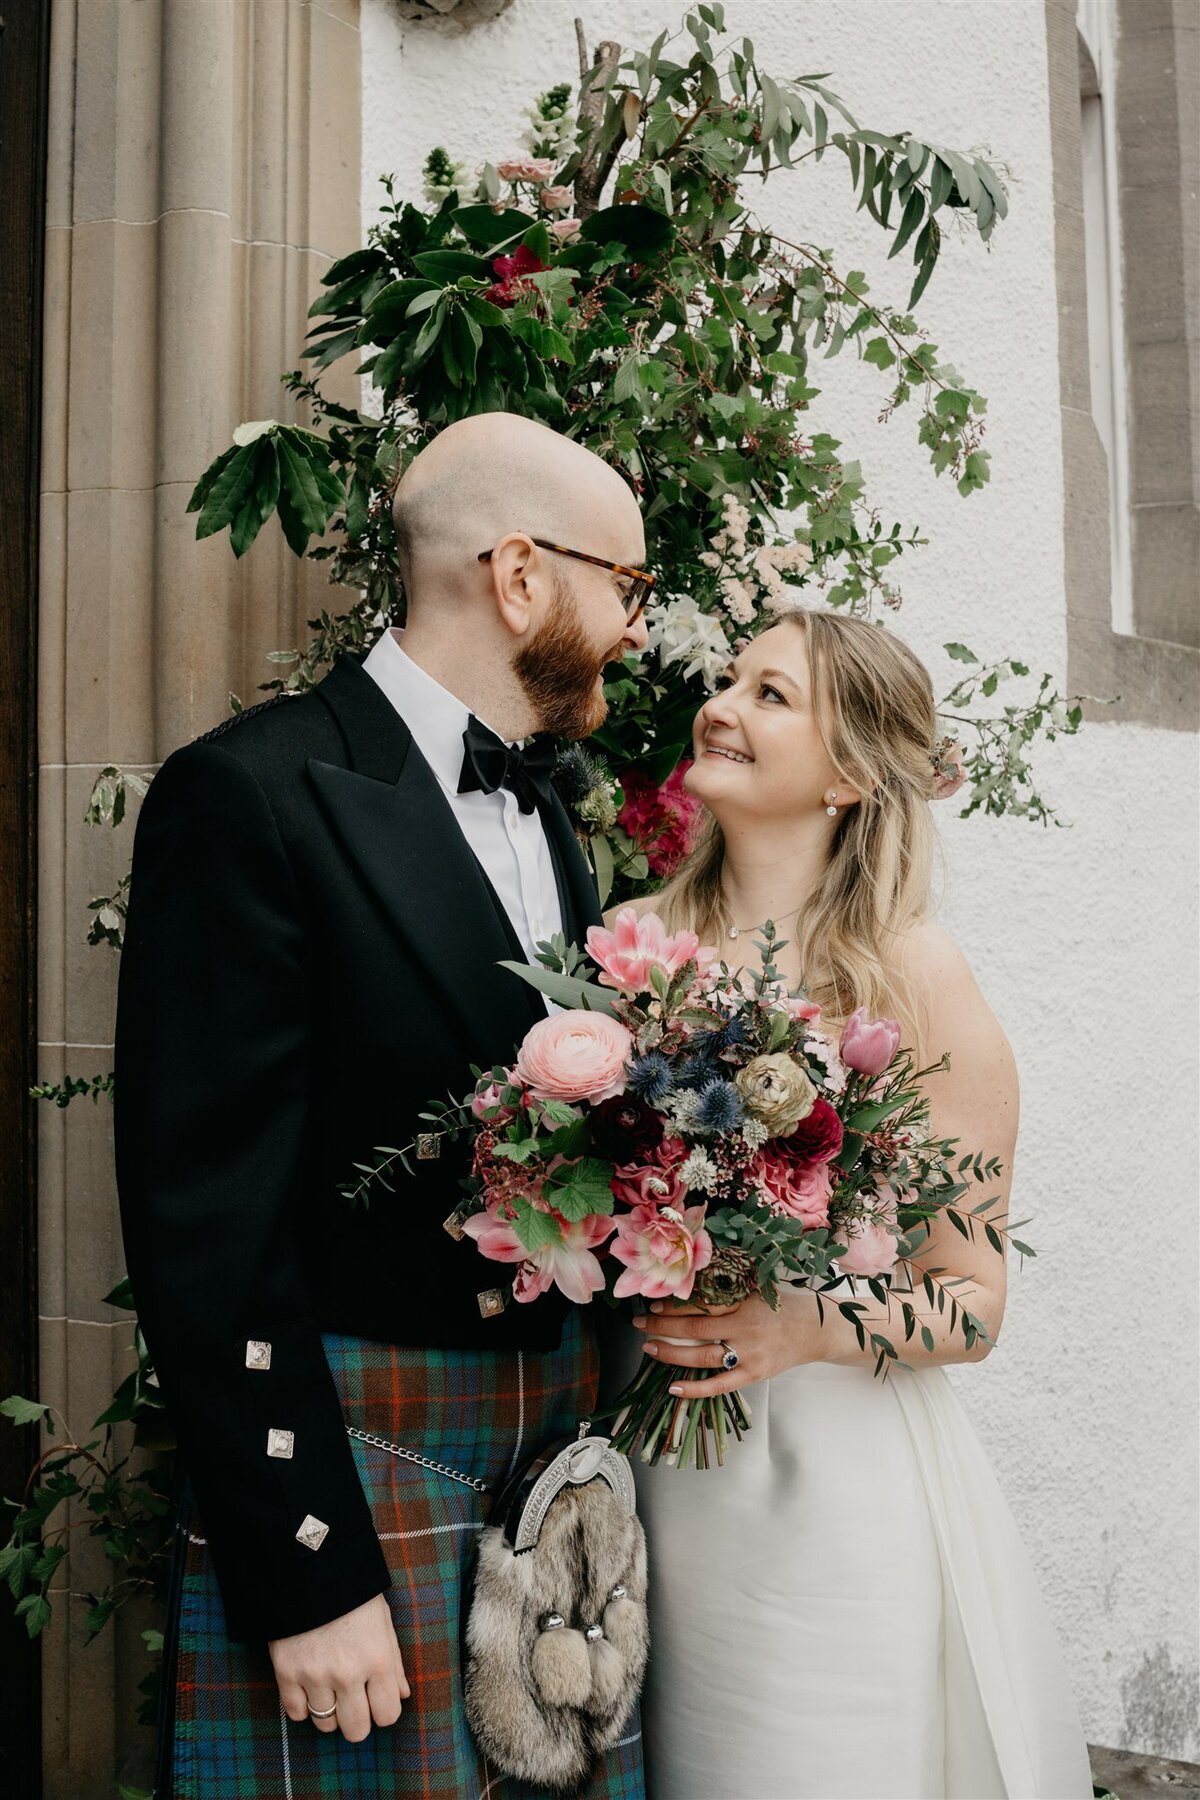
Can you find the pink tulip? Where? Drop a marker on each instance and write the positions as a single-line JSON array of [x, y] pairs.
[[869, 1045], [663, 1252], [634, 946]]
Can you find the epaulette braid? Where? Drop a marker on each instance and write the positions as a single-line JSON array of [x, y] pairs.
[[236, 718]]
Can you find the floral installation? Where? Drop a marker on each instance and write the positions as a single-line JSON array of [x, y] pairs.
[[683, 1129]]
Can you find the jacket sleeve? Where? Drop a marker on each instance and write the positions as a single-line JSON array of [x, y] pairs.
[[212, 1100]]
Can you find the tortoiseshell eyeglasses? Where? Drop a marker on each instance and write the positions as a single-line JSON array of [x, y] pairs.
[[636, 595]]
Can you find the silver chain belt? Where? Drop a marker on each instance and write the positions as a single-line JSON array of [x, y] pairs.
[[425, 1462]]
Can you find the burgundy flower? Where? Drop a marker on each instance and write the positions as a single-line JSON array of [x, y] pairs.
[[818, 1138], [511, 269], [625, 1129], [665, 819]]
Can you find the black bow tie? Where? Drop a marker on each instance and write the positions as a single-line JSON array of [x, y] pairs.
[[489, 763]]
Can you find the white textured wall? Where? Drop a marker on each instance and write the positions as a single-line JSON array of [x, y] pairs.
[[1083, 939]]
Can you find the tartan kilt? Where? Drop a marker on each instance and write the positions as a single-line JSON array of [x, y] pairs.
[[223, 1733]]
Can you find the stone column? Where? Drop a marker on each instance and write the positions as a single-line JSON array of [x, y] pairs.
[[203, 172]]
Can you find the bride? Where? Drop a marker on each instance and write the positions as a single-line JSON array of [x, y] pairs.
[[845, 1609]]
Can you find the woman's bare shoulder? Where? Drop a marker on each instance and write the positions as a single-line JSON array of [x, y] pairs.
[[928, 953], [957, 1011]]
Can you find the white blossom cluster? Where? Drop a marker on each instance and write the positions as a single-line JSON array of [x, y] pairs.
[[761, 581], [551, 129], [699, 1170], [835, 1068], [681, 1110], [754, 1134], [682, 633], [443, 176]]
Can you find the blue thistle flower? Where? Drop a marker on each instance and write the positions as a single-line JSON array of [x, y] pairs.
[[651, 1078], [732, 1032], [698, 1069], [721, 1107]]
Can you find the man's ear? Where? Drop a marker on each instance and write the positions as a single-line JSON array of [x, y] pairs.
[[515, 577]]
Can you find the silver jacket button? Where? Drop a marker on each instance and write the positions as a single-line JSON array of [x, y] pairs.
[[312, 1532], [258, 1353], [280, 1442]]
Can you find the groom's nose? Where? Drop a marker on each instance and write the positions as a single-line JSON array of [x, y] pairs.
[[635, 637]]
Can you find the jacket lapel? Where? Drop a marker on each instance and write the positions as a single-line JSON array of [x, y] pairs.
[[394, 821], [577, 898]]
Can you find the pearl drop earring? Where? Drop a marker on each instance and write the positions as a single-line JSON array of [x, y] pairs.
[[832, 810]]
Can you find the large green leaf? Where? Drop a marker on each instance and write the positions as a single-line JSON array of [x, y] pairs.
[[567, 990], [639, 228], [581, 1190], [228, 492], [261, 500], [489, 228], [445, 266]]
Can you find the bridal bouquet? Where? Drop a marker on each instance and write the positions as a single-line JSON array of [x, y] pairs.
[[685, 1130]]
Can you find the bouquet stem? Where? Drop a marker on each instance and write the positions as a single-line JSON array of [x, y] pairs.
[[657, 1426]]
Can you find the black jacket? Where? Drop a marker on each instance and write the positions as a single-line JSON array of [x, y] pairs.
[[310, 956]]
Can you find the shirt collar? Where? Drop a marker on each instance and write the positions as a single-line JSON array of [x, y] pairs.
[[435, 716]]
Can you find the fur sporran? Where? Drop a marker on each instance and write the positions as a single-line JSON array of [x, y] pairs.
[[557, 1634]]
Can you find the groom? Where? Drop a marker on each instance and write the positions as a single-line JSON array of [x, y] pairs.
[[323, 888]]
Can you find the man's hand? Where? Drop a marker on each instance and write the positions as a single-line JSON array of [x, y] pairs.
[[352, 1663]]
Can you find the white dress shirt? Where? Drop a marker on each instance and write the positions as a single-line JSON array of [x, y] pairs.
[[510, 845]]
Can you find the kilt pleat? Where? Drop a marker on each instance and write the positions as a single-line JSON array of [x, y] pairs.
[[223, 1732]]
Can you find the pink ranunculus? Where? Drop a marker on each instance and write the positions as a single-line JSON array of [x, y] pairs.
[[488, 1107], [663, 1252], [557, 199], [537, 169], [574, 1055], [634, 946], [871, 1246], [647, 1184], [563, 229], [869, 1045], [796, 1185]]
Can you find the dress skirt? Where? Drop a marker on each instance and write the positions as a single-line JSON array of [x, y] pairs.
[[845, 1610], [223, 1732]]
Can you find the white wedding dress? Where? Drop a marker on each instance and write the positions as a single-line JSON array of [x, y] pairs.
[[845, 1611]]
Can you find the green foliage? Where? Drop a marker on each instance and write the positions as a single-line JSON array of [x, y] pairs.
[[673, 331], [125, 1507]]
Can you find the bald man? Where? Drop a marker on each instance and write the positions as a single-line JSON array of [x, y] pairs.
[[323, 891]]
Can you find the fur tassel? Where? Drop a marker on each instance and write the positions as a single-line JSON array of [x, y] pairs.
[[562, 1667], [608, 1676]]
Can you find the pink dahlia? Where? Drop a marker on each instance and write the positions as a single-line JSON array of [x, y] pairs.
[[663, 1252]]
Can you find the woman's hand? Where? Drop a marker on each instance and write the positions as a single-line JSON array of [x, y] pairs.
[[766, 1342]]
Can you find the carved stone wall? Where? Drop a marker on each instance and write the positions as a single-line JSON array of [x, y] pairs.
[[203, 171]]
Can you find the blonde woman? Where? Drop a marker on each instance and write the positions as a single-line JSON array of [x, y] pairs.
[[845, 1609]]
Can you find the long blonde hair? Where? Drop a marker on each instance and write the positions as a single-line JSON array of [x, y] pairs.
[[875, 712]]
